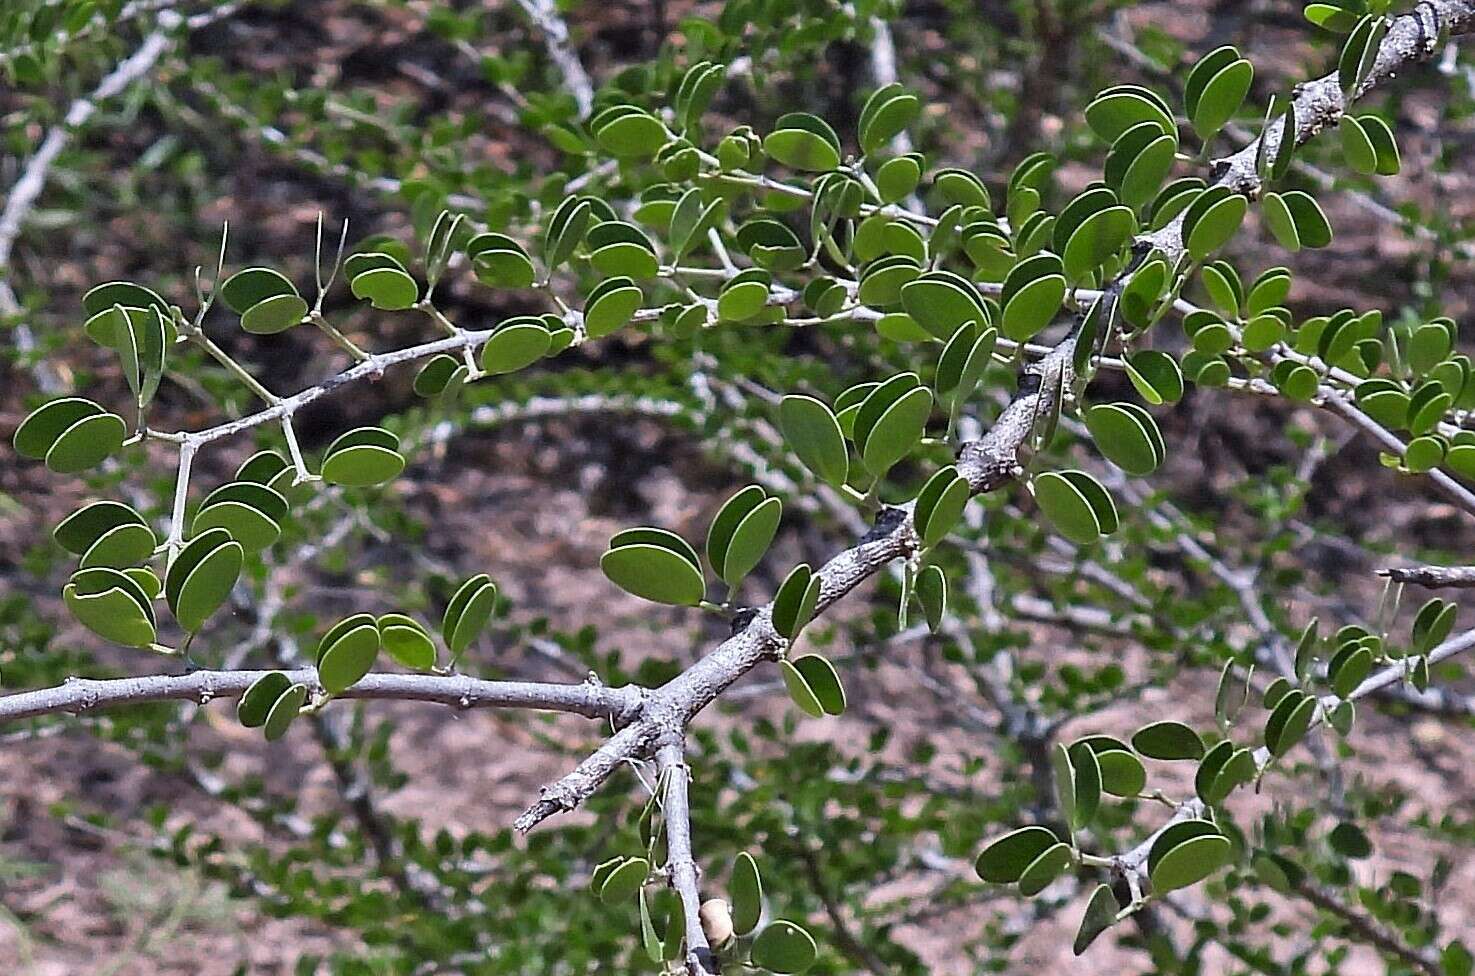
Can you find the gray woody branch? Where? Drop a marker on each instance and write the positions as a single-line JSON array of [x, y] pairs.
[[988, 463], [681, 866], [1433, 577], [79, 695]]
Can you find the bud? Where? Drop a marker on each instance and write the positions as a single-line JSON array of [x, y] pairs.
[[716, 920]]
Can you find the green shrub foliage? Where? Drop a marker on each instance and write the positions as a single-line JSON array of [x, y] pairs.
[[952, 365]]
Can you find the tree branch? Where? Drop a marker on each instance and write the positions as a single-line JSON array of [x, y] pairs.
[[681, 864], [79, 695], [1433, 577]]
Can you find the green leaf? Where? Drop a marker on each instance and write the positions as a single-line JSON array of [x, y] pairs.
[[611, 304], [771, 245], [1360, 52], [71, 434], [1087, 794], [1385, 147], [468, 612], [940, 504], [1176, 833], [46, 425], [741, 533], [346, 652], [896, 432], [1357, 146], [272, 315], [390, 289], [1045, 869], [251, 527], [1190, 862], [284, 711], [267, 468], [499, 261], [250, 287], [1338, 15], [691, 219], [441, 378], [1101, 912], [655, 949], [1004, 860], [1269, 291], [517, 344], [961, 366], [618, 248], [1231, 693], [1119, 108], [784, 947], [111, 605], [958, 186], [795, 602], [138, 335], [897, 178], [931, 590], [1289, 722], [1224, 287], [811, 430], [804, 142], [1076, 505], [1211, 220], [655, 571], [262, 498], [822, 681], [565, 230], [79, 531], [882, 280], [1216, 88], [405, 640], [1127, 436], [1139, 161], [1168, 740], [1312, 227], [362, 457], [258, 700], [624, 881], [1432, 624], [799, 690], [125, 293], [1122, 774], [886, 114], [629, 133], [1348, 840], [1097, 238], [201, 577], [746, 891], [120, 547], [1348, 668], [942, 303], [363, 261], [1031, 296], [1156, 376], [744, 297]]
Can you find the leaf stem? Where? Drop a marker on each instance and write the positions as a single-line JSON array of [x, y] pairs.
[[343, 341]]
